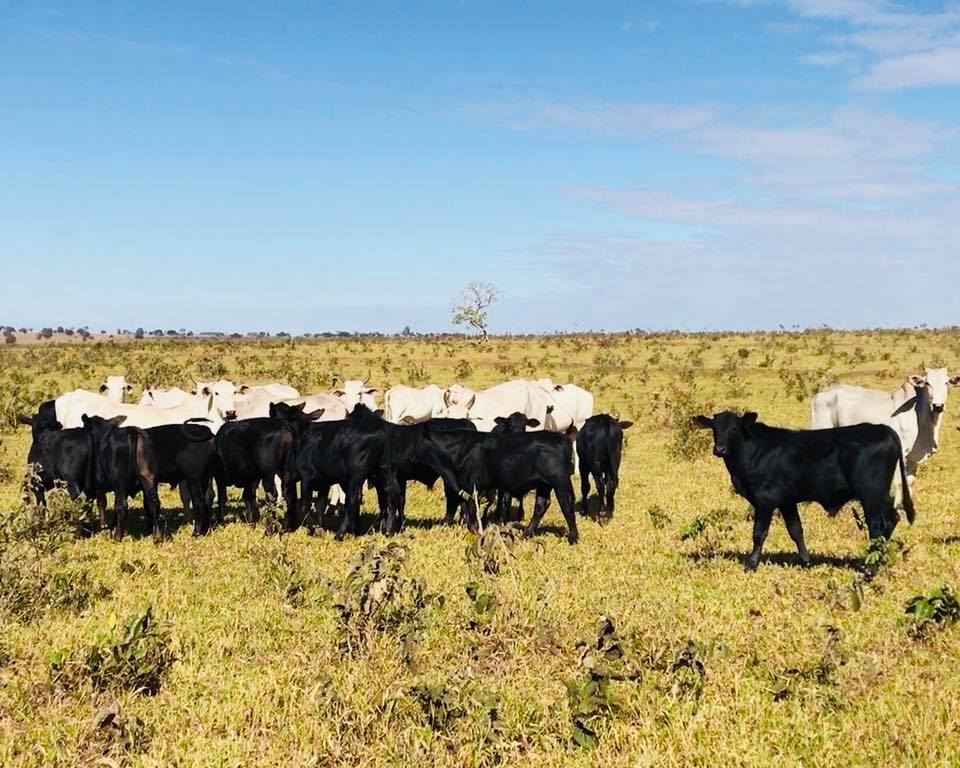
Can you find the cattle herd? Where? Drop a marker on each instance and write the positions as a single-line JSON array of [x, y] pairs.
[[488, 448]]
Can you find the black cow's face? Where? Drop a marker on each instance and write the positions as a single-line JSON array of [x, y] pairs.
[[730, 431], [515, 422]]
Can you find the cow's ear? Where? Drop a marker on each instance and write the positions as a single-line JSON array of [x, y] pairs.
[[206, 391], [299, 407], [625, 424], [501, 420], [314, 415], [748, 420], [22, 418], [918, 381], [338, 393], [117, 420], [472, 400], [85, 420], [954, 382], [243, 389], [704, 422], [103, 388], [533, 423], [372, 391], [409, 420], [128, 387]]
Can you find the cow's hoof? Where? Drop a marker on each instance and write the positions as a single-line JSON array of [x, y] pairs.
[[339, 536], [751, 564], [573, 538], [805, 561]]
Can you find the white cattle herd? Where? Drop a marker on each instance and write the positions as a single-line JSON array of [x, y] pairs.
[[556, 407]]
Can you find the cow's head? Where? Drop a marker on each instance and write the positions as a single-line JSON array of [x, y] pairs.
[[356, 392], [515, 422], [730, 431], [99, 425], [221, 398], [286, 412], [938, 383], [114, 388], [39, 423], [457, 402]]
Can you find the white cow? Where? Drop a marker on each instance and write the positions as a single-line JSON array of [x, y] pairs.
[[914, 411], [573, 405], [115, 387], [164, 398], [353, 392], [409, 405], [257, 405], [275, 390], [111, 391], [482, 408], [214, 402]]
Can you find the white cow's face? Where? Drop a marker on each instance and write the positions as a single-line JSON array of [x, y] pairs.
[[939, 382], [221, 398], [457, 402], [114, 388], [353, 392]]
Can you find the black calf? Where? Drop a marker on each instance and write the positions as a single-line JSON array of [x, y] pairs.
[[599, 447], [185, 455]]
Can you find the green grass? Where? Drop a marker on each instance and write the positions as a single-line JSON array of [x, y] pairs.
[[714, 667]]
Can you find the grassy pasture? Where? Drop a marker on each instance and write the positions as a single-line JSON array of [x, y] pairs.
[[256, 664]]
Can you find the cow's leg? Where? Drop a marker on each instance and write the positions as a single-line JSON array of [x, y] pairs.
[[186, 497], [201, 512], [539, 509], [351, 511], [880, 514], [119, 512], [102, 509], [565, 499], [151, 505], [250, 501], [791, 517], [761, 526], [613, 483], [585, 492], [290, 500], [452, 502]]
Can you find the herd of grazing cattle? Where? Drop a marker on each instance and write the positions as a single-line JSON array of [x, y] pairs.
[[497, 444]]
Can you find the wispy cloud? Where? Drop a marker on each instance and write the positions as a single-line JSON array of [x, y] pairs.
[[901, 46]]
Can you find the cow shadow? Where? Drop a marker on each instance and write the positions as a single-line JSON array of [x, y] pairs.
[[782, 559]]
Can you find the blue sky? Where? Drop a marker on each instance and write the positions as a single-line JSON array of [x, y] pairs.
[[317, 166]]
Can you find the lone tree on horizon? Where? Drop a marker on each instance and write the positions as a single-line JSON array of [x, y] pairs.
[[474, 302]]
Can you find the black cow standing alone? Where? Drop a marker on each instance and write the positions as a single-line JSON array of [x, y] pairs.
[[599, 447], [775, 468], [125, 465]]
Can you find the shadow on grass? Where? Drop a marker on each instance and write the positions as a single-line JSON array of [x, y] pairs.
[[783, 559]]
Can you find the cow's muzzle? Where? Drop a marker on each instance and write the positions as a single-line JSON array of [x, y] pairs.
[[938, 408], [719, 450]]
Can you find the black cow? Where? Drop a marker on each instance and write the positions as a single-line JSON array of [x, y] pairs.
[[515, 423], [412, 459], [511, 464], [599, 447], [125, 465], [63, 455], [776, 468], [186, 456], [347, 452], [255, 451]]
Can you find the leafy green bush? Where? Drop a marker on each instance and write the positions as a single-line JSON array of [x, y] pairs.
[[133, 659], [928, 612]]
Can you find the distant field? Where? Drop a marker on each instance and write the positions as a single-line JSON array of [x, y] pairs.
[[255, 663]]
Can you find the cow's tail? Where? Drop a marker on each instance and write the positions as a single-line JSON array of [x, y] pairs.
[[905, 486]]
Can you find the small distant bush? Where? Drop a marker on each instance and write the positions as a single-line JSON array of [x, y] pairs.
[[933, 611]]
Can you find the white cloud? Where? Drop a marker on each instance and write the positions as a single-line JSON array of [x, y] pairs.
[[906, 47]]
